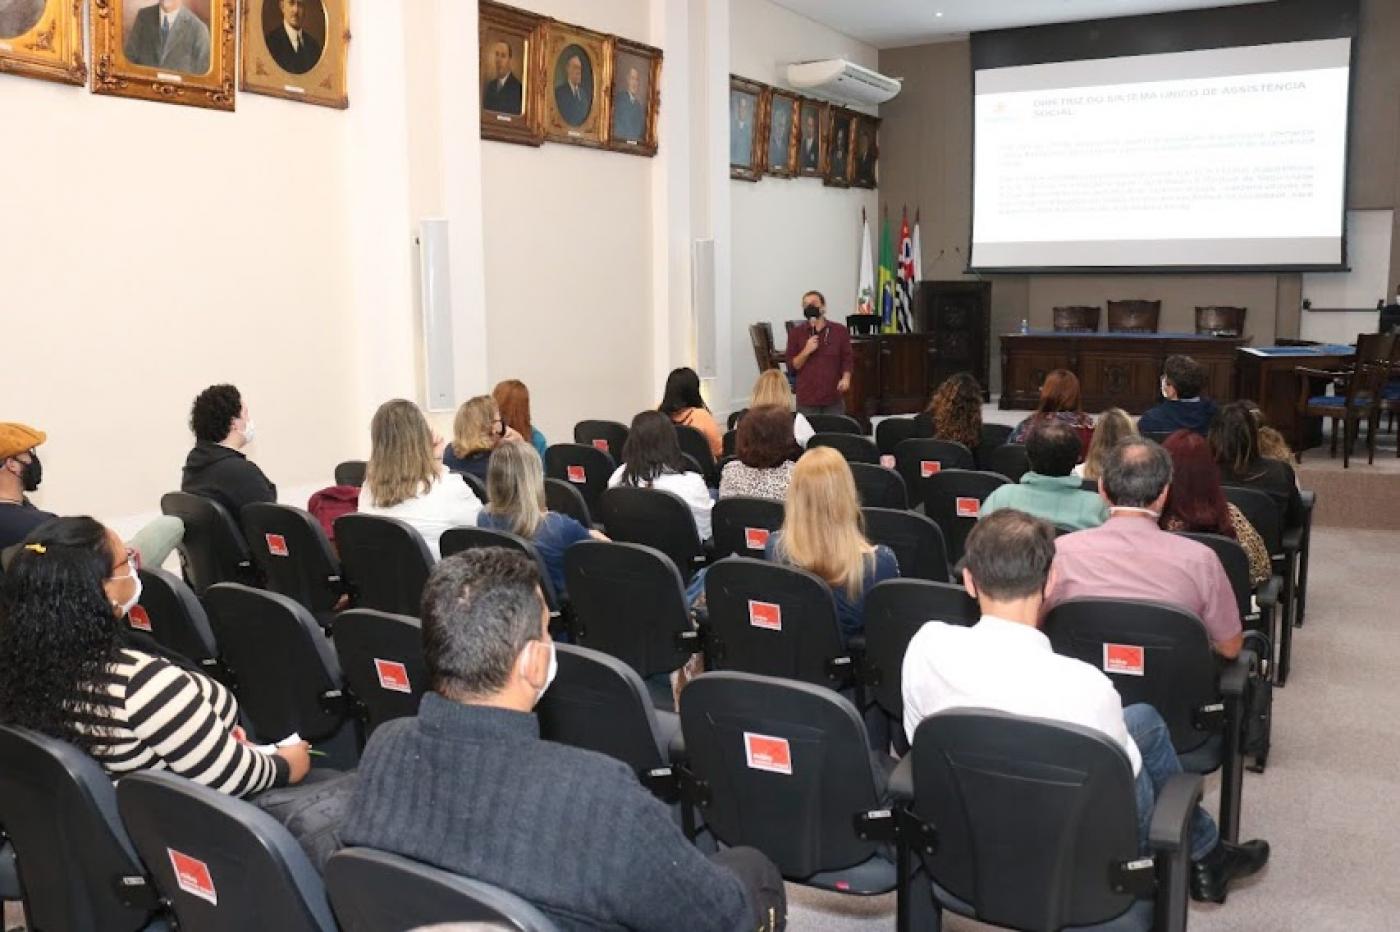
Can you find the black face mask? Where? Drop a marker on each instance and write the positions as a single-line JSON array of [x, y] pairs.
[[32, 473], [811, 312]]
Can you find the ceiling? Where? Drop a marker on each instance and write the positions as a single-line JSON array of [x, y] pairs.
[[892, 23]]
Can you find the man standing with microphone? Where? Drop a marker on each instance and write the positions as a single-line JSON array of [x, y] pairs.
[[820, 353]]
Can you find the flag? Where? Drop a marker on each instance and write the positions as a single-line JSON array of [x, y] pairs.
[[918, 251], [886, 287], [904, 280], [865, 284]]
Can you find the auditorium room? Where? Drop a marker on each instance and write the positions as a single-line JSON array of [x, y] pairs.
[[699, 465]]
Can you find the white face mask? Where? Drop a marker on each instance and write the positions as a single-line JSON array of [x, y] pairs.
[[135, 599], [550, 674], [249, 430]]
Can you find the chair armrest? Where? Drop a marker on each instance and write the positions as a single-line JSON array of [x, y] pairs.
[[676, 752], [1234, 678], [1171, 816], [901, 785], [1268, 592], [1293, 539], [1308, 497]]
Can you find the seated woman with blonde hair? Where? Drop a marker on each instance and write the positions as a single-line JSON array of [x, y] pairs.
[[477, 431], [772, 389], [1114, 424]]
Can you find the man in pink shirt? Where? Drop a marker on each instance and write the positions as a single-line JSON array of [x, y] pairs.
[[1131, 557]]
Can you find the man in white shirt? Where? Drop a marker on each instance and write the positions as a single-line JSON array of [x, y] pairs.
[[1006, 664]]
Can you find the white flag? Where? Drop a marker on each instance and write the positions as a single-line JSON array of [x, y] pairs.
[[918, 252], [865, 284]]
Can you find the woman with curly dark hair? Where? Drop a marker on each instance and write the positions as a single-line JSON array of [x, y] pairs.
[[66, 670], [955, 411]]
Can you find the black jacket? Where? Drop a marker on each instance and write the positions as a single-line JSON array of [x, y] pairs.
[[225, 475]]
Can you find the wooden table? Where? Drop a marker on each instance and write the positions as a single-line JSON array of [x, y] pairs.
[[1115, 370], [1265, 375]]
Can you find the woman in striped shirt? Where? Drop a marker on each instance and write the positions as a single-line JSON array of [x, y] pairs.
[[67, 671]]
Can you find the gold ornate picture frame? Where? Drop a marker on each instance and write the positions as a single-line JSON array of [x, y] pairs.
[[815, 120], [43, 39], [509, 41], [781, 133], [636, 97], [841, 143], [296, 50], [865, 152], [572, 79], [189, 62], [748, 135]]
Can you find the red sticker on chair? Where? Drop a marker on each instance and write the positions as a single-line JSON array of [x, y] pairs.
[[192, 875], [767, 615], [576, 474], [756, 538], [929, 468], [967, 507], [767, 753], [601, 444], [277, 545], [393, 676], [1124, 659], [138, 618], [887, 460]]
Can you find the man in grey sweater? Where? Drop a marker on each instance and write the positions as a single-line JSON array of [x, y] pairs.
[[469, 786]]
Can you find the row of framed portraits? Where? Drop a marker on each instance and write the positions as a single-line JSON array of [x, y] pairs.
[[182, 51], [785, 135], [546, 80]]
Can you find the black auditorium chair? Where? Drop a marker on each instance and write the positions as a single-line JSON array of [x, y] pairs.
[[729, 443], [566, 499], [376, 891], [920, 457], [213, 549], [742, 525], [290, 548], [585, 467], [170, 615], [695, 445], [350, 472], [953, 498], [993, 436], [892, 430], [855, 448], [1265, 513], [381, 657], [222, 864], [77, 869], [775, 620], [1236, 565], [834, 424], [658, 519], [608, 436], [458, 539], [916, 540], [879, 486], [476, 485], [732, 422], [1089, 485], [1161, 655], [1028, 823], [385, 561], [783, 767], [1301, 538], [628, 602], [1009, 460]]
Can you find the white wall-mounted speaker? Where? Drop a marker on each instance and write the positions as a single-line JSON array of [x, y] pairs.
[[435, 297], [702, 299]]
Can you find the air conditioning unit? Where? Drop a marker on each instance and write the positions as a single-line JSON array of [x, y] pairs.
[[843, 81]]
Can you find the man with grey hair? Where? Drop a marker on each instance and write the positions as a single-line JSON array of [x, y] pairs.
[[1131, 557]]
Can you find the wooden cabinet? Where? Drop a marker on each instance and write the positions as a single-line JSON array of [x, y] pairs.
[[957, 315], [890, 373]]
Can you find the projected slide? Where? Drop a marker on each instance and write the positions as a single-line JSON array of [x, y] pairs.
[[1224, 157]]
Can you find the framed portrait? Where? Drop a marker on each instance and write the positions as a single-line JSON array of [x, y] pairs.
[[811, 137], [43, 39], [636, 97], [747, 100], [865, 152], [780, 159], [175, 51], [296, 49], [840, 135], [509, 42], [574, 76]]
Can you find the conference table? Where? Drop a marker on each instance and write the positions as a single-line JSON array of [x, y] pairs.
[[1267, 376]]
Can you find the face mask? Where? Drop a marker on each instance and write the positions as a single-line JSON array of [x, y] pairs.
[[811, 312], [1163, 388], [32, 473], [135, 599], [248, 431], [550, 674]]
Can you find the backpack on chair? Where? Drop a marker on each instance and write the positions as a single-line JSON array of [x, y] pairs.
[[332, 502]]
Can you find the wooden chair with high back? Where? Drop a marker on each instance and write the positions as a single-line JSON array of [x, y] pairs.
[[1077, 318], [1357, 392], [764, 352], [1134, 316], [1220, 321]]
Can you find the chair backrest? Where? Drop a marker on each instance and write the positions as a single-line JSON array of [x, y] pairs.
[[213, 549], [628, 602], [993, 436], [761, 339], [920, 457], [376, 891], [879, 486], [350, 472], [566, 499], [1032, 817], [916, 540], [1133, 316], [476, 485], [855, 448], [1076, 318], [1261, 510], [585, 467], [895, 610], [732, 422], [385, 560], [656, 518], [381, 656], [742, 525], [697, 447], [1089, 485], [170, 613], [892, 430], [952, 498], [1220, 321], [729, 443], [773, 620], [457, 539], [1009, 460], [1235, 562], [834, 424], [608, 436], [1153, 653], [221, 863], [282, 663], [292, 551], [599, 703], [1375, 358], [77, 867], [786, 767]]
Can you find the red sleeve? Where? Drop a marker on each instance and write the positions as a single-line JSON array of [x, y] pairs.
[[847, 356], [796, 338]]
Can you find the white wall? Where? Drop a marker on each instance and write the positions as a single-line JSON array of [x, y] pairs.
[[789, 235]]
